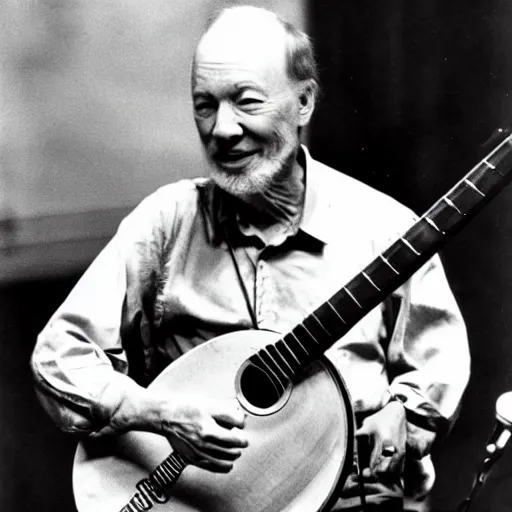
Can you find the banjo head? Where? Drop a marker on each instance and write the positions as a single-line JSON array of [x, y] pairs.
[[300, 440]]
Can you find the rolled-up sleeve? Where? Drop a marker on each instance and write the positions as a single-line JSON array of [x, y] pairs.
[[79, 363], [428, 356], [77, 351]]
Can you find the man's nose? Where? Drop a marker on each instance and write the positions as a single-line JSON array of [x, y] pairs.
[[227, 124]]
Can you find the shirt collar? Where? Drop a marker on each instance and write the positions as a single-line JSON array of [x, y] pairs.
[[315, 218], [214, 204], [220, 208]]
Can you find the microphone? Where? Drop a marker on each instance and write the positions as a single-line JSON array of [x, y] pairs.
[[502, 430]]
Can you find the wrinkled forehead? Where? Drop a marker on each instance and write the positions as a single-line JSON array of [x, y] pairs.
[[258, 44]]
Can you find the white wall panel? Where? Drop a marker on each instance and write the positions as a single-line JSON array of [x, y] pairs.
[[94, 100]]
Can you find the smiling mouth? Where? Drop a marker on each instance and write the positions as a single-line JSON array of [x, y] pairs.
[[234, 158]]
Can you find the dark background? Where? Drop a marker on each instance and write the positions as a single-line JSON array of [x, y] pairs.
[[411, 91]]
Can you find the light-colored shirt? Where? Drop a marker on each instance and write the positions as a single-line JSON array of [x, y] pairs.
[[166, 283]]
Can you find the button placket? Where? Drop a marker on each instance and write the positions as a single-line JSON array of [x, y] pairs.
[[264, 293], [260, 283]]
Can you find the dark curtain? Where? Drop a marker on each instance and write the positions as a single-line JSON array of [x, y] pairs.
[[411, 92], [36, 458]]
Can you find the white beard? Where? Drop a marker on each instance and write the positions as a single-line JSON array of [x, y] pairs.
[[253, 181]]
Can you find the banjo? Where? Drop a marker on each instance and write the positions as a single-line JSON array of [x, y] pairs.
[[299, 420]]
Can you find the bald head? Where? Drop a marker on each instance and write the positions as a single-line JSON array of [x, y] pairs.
[[246, 19], [244, 34], [262, 34]]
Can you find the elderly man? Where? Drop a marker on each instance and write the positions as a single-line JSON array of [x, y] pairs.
[[266, 239]]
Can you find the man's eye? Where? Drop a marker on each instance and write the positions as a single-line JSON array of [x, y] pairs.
[[249, 101], [204, 108]]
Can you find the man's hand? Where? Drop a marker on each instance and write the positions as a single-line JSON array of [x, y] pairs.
[[386, 431], [204, 431]]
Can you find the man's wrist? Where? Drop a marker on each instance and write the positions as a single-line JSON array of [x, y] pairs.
[[127, 406]]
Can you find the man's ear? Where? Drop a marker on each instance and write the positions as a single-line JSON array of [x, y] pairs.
[[307, 100]]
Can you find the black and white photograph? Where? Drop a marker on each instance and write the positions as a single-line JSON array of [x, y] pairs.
[[254, 256]]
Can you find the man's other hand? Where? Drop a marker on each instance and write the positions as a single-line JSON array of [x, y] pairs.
[[386, 433]]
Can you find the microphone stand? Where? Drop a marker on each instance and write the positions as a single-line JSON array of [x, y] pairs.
[[480, 479], [494, 448]]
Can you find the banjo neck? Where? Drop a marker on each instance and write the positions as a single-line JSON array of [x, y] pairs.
[[308, 340]]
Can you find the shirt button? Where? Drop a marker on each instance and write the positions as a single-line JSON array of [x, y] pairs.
[[262, 269]]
